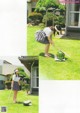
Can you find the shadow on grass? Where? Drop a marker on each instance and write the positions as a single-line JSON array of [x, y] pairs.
[[51, 55], [68, 37], [19, 102]]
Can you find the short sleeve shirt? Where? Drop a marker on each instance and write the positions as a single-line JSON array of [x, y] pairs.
[[15, 78], [48, 31]]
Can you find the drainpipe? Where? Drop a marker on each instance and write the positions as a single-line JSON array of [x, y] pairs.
[[31, 77], [66, 19]]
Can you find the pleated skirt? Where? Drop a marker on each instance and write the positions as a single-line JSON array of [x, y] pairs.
[[16, 86]]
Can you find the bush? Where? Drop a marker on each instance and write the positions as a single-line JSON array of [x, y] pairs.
[[41, 25], [60, 20], [25, 87], [35, 17], [49, 17], [28, 20], [8, 84], [54, 19]]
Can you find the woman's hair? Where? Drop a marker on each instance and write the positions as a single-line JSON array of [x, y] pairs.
[[52, 28], [16, 70]]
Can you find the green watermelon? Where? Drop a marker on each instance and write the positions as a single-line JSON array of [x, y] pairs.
[[60, 55]]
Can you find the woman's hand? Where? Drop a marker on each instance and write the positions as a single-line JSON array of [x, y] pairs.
[[51, 42], [19, 83]]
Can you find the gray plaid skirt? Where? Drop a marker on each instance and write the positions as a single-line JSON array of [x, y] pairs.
[[16, 86], [46, 41]]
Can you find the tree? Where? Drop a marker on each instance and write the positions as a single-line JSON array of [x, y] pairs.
[[22, 73], [44, 4], [25, 79]]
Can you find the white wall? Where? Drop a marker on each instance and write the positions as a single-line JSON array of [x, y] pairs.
[[8, 69], [0, 69]]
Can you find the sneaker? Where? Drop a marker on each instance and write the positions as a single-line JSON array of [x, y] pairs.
[[49, 54], [46, 55]]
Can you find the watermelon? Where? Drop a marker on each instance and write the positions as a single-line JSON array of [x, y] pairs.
[[60, 55]]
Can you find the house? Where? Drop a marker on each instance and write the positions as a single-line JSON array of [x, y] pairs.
[[73, 19], [32, 64], [3, 78], [6, 70], [31, 4]]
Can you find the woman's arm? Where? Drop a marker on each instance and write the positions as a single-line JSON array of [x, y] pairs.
[[13, 77], [50, 40]]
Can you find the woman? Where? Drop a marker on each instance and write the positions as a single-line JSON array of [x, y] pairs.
[[15, 84], [48, 31]]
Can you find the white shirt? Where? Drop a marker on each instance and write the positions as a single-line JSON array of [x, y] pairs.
[[48, 31], [15, 78]]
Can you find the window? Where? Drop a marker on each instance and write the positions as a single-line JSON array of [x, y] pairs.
[[35, 77], [33, 9], [74, 15], [1, 82]]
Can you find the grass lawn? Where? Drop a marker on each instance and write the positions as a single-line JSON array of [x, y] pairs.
[[18, 108], [48, 67]]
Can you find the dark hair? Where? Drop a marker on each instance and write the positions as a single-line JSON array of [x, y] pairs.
[[52, 28], [17, 75]]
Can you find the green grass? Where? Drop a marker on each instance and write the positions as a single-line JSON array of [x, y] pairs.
[[18, 108], [48, 67]]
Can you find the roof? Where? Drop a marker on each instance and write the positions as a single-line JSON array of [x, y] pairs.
[[2, 75], [29, 61], [6, 62]]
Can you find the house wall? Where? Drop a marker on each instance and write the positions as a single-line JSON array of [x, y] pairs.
[[1, 62], [29, 9], [2, 83], [0, 69], [3, 78], [73, 20], [9, 69], [30, 6]]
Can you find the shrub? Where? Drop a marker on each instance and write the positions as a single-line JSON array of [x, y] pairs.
[[8, 84], [49, 17], [25, 84], [60, 20], [25, 87], [41, 25], [28, 20], [35, 17]]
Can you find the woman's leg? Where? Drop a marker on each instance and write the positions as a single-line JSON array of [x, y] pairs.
[[15, 96], [47, 46]]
